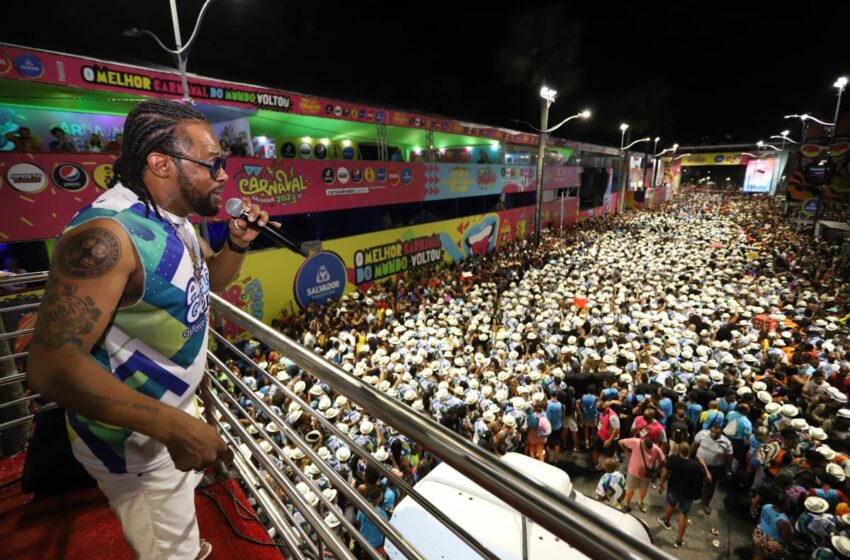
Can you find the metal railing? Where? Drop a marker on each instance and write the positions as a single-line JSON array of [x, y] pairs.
[[11, 384], [290, 501], [564, 518]]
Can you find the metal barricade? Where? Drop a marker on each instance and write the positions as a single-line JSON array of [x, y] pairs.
[[290, 501]]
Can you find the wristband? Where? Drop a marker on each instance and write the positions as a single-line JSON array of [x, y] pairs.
[[236, 248]]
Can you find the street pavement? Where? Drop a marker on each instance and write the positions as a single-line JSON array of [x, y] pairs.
[[730, 516]]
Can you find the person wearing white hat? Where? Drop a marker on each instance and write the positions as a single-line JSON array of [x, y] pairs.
[[815, 524]]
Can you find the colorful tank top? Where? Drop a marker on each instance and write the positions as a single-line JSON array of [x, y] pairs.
[[157, 345]]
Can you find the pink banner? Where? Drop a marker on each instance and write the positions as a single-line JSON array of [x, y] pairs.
[[284, 186], [46, 67], [44, 190], [560, 177], [40, 193]]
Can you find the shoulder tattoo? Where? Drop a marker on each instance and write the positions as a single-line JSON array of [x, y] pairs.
[[90, 254], [64, 317]]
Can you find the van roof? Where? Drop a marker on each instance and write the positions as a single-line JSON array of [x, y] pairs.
[[490, 520]]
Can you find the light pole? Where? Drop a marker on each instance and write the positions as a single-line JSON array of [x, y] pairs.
[[657, 157], [807, 117], [761, 144], [621, 198], [783, 159], [547, 97], [784, 137], [181, 53], [654, 147], [840, 84]]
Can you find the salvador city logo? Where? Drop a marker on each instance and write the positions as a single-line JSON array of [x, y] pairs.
[[319, 278]]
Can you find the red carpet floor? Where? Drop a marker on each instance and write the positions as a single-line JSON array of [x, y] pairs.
[[80, 525]]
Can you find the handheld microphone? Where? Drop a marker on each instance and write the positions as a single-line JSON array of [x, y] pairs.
[[235, 209]]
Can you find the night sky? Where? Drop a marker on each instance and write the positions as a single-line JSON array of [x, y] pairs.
[[688, 72]]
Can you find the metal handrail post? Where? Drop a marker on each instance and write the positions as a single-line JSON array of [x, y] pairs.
[[322, 466]]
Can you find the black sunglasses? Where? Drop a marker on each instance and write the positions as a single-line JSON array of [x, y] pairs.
[[216, 164]]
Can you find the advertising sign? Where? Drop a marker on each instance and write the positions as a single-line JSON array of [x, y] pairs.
[[54, 68], [759, 175], [719, 158]]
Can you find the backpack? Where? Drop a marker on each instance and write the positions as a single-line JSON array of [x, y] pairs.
[[678, 431], [731, 428], [544, 427]]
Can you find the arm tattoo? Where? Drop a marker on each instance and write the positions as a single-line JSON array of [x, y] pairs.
[[92, 253], [63, 317], [109, 401]]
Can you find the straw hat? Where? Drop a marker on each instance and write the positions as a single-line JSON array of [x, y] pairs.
[[343, 454], [816, 505]]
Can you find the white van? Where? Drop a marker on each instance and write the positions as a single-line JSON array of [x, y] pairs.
[[492, 522]]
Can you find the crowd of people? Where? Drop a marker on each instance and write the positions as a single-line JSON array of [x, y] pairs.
[[23, 140], [701, 341]]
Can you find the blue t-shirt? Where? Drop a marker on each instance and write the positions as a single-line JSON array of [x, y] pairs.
[[725, 406], [745, 427], [390, 497], [588, 407], [609, 394], [370, 532], [767, 523], [693, 412], [555, 414], [666, 406]]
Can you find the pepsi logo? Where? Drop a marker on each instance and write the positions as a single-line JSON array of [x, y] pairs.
[[70, 177]]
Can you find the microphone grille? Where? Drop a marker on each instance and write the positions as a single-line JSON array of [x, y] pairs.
[[234, 207]]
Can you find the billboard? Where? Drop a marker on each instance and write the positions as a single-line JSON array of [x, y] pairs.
[[43, 191], [759, 176]]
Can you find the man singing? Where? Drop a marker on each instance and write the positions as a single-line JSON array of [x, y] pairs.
[[122, 331]]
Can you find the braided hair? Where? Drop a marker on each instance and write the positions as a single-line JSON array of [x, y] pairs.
[[150, 126]]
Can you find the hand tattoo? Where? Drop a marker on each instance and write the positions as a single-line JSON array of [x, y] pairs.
[[90, 254], [63, 317]]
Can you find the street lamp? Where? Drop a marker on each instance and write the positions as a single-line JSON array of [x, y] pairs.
[[761, 145], [181, 53], [654, 147], [621, 198], [807, 117], [547, 97], [839, 84], [784, 137], [647, 139]]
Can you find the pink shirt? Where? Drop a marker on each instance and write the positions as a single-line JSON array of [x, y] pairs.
[[653, 456]]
